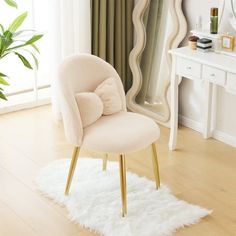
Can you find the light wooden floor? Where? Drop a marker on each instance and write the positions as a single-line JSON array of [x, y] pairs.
[[200, 171]]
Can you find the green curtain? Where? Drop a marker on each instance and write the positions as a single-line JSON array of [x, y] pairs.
[[112, 34]]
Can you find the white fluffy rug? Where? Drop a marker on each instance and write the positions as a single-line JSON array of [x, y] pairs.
[[94, 200]]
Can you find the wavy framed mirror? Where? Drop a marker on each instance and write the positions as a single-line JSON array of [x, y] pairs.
[[159, 26]]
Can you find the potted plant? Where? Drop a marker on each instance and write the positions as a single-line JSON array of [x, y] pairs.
[[17, 42]]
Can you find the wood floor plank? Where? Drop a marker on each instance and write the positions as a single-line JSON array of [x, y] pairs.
[[200, 171], [8, 218], [42, 218]]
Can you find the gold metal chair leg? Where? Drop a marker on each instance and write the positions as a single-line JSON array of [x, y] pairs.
[[104, 162], [72, 169], [155, 166], [123, 184]]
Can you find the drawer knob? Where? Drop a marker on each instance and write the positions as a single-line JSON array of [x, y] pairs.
[[213, 75], [189, 67]]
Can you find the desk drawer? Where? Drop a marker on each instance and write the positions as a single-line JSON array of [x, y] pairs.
[[188, 68], [231, 83], [214, 75]]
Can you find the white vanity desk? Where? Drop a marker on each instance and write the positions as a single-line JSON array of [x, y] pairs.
[[212, 68]]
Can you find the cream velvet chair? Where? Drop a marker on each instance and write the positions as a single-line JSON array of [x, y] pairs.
[[120, 133]]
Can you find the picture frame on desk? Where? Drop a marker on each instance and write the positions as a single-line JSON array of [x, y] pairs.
[[227, 42]]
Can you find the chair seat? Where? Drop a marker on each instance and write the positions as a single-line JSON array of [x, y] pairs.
[[122, 133]]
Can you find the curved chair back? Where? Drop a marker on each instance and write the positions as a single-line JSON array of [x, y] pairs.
[[81, 73]]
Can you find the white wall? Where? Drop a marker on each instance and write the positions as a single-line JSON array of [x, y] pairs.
[[192, 93]]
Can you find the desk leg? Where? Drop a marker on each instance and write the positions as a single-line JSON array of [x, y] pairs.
[[174, 83], [208, 111], [214, 107]]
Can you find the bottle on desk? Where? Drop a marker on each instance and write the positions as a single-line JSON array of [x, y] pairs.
[[214, 20]]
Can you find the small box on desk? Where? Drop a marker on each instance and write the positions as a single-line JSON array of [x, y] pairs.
[[204, 45]]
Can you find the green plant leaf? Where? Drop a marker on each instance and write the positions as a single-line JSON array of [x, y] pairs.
[[22, 31], [16, 47], [5, 42], [1, 46], [4, 54], [3, 75], [11, 3], [34, 57], [24, 60], [8, 34], [17, 22], [34, 47], [3, 81], [2, 28], [35, 60], [34, 39], [2, 96], [29, 42]]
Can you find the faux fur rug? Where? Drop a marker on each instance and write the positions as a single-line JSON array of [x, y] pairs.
[[94, 201]]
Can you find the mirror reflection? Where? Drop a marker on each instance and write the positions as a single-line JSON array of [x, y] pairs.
[[155, 71], [233, 4]]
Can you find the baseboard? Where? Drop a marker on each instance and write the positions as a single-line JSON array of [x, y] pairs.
[[23, 106], [216, 134], [224, 137], [192, 124]]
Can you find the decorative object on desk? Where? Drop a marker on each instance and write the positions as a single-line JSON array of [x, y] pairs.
[[206, 34], [214, 20], [225, 24], [204, 45], [227, 42], [192, 42], [94, 201]]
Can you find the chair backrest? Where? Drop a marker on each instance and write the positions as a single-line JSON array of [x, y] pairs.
[[81, 73]]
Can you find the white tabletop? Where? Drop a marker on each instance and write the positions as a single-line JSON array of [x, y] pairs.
[[224, 62]]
